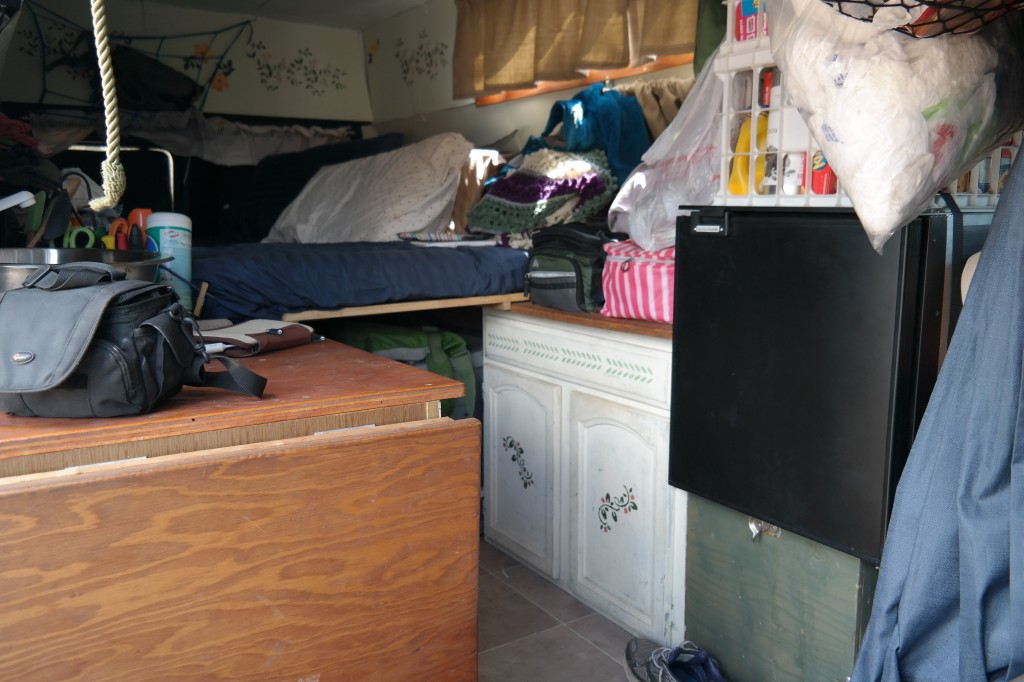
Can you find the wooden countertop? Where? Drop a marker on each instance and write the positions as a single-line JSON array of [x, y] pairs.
[[659, 330], [305, 382]]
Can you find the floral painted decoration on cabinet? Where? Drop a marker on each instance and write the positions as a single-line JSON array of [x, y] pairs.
[[510, 443], [611, 506]]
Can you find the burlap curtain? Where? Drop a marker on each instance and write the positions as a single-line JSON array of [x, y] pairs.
[[512, 44]]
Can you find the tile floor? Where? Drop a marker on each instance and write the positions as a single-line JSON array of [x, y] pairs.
[[531, 631]]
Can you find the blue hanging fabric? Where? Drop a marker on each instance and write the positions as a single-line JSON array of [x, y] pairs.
[[597, 118], [949, 604]]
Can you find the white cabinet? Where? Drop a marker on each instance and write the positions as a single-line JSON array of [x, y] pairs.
[[522, 440], [576, 463], [618, 472]]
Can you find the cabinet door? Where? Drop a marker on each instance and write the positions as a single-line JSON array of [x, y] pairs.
[[619, 527], [323, 557], [522, 439]]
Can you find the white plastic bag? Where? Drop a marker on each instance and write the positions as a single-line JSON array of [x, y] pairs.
[[897, 117], [681, 167]]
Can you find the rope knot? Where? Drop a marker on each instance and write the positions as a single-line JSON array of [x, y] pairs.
[[114, 184]]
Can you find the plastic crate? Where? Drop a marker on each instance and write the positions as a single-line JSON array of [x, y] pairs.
[[762, 129], [770, 157]]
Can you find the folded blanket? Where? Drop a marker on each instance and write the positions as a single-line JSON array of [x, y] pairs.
[[549, 187]]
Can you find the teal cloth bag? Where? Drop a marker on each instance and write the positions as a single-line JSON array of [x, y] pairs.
[[599, 118]]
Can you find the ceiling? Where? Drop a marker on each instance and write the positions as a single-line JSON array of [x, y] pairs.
[[355, 14]]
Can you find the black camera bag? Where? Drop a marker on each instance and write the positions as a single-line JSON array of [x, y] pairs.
[[80, 340]]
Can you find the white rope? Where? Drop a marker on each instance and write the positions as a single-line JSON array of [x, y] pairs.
[[114, 180]]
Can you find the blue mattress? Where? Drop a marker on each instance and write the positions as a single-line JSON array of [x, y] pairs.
[[256, 280]]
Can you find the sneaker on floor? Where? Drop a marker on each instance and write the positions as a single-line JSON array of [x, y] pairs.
[[650, 662]]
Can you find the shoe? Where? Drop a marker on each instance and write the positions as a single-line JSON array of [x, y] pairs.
[[650, 662]]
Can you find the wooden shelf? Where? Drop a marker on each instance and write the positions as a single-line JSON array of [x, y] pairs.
[[659, 330], [501, 301]]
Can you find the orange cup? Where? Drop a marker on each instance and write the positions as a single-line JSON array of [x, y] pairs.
[[138, 216]]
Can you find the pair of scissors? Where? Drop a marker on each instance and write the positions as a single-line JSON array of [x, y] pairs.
[[117, 235], [123, 236]]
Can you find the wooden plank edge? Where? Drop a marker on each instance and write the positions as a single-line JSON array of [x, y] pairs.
[[661, 330], [500, 301], [86, 472]]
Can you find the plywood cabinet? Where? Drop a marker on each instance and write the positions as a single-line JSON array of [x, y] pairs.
[[305, 550], [576, 461]]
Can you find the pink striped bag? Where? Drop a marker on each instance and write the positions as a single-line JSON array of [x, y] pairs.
[[638, 284]]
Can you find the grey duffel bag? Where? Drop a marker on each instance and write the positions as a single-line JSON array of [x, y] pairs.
[[80, 340]]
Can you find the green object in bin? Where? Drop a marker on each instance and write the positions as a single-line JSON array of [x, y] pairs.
[[438, 351]]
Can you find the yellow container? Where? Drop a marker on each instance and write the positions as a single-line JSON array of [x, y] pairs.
[[739, 177]]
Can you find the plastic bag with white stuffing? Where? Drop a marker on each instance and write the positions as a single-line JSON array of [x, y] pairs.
[[681, 167], [897, 117]]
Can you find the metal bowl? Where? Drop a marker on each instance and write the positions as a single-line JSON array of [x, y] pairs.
[[17, 264]]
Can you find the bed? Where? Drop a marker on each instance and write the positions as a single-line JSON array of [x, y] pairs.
[[377, 226], [316, 281], [355, 229]]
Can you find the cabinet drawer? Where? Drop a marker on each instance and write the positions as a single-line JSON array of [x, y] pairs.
[[628, 365], [303, 559]]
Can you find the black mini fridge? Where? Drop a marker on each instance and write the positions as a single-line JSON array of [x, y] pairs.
[[803, 360]]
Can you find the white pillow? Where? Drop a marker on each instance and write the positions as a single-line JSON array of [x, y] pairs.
[[377, 197]]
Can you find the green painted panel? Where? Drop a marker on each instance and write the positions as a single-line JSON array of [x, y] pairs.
[[782, 608]]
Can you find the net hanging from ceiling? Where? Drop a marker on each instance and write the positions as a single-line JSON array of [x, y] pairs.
[[929, 18]]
